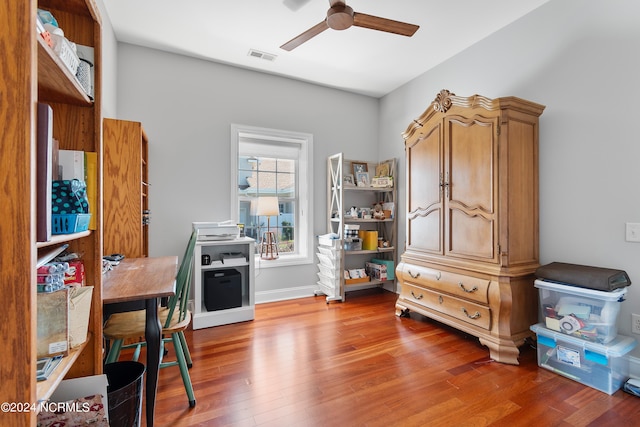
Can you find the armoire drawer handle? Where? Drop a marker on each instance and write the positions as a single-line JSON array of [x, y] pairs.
[[475, 288], [415, 276], [472, 317], [417, 296]]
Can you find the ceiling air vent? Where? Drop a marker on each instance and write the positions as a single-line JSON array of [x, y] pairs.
[[262, 55]]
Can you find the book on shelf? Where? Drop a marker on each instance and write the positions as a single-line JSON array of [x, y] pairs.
[[91, 173], [55, 159], [44, 172], [71, 164]]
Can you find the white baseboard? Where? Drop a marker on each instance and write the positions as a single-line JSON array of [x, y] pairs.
[[297, 292], [306, 291], [285, 294]]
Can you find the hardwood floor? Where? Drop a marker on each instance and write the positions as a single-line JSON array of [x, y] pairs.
[[305, 363]]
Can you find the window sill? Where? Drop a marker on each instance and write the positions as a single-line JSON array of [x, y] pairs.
[[282, 261]]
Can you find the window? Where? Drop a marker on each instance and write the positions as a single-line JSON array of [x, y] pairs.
[[272, 164]]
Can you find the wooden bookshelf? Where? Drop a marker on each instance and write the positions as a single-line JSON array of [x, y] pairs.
[[32, 73]]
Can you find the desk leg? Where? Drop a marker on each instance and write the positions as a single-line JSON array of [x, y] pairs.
[[153, 335]]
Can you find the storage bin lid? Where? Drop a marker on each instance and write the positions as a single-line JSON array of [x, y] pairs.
[[620, 346], [616, 295]]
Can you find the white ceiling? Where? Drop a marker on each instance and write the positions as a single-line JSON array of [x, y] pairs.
[[359, 60]]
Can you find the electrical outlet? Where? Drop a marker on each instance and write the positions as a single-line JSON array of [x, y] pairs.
[[635, 323]]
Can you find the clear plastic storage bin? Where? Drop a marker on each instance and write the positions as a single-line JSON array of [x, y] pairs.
[[584, 313], [604, 367]]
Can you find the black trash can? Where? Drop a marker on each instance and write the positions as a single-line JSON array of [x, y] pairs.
[[124, 393]]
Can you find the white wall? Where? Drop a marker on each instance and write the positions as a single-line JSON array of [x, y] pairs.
[[109, 64], [187, 105], [580, 59]]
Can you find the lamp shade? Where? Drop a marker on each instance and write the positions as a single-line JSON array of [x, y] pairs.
[[267, 206]]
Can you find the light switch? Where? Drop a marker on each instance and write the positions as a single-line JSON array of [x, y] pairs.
[[632, 232]]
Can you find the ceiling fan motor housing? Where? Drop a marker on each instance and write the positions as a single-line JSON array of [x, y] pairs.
[[340, 17]]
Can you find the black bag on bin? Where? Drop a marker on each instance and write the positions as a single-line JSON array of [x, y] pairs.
[[584, 276]]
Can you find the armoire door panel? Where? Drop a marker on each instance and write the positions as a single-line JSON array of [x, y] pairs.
[[471, 153], [425, 192], [424, 232], [470, 236], [424, 170], [471, 201]]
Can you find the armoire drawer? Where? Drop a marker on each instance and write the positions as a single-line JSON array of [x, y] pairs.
[[464, 310], [467, 287]]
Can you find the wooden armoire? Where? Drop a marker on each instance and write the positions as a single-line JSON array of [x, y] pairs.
[[472, 218]]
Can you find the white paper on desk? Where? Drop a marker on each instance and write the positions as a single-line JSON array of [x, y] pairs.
[[209, 224]]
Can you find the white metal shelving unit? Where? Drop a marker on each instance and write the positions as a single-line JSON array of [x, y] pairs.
[[333, 258]]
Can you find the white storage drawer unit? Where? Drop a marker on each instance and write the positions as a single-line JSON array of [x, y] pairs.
[[329, 265]]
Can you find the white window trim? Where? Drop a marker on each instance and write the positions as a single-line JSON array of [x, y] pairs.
[[304, 222]]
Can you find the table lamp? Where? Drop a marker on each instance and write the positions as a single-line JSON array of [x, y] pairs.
[[268, 206]]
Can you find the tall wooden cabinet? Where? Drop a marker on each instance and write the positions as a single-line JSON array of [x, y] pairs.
[[472, 218], [126, 188], [32, 73]]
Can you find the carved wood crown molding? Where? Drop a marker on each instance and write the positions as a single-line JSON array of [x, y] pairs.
[[443, 101]]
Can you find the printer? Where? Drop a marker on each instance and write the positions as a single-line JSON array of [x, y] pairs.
[[210, 231]]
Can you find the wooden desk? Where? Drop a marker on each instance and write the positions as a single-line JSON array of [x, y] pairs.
[[148, 279]]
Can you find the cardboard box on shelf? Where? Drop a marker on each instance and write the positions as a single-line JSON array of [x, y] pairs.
[[376, 271], [75, 274], [79, 309]]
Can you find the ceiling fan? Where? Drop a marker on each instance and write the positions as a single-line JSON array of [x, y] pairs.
[[340, 17]]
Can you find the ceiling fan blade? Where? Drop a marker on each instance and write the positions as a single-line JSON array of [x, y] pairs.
[[384, 24], [306, 36]]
